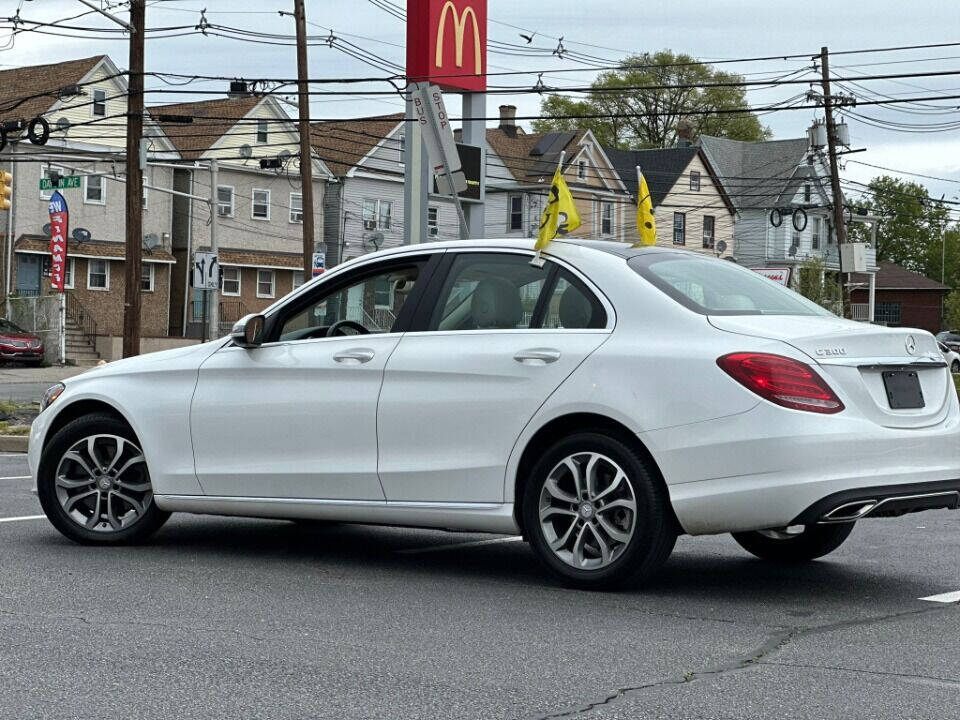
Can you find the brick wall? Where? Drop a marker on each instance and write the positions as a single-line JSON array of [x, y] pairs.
[[918, 308]]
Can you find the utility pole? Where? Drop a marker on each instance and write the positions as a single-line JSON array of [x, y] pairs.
[[835, 190], [306, 156], [131, 305], [213, 296]]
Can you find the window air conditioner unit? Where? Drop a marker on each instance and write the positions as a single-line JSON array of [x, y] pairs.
[[223, 211], [369, 224]]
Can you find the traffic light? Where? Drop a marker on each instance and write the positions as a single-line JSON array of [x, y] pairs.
[[6, 190]]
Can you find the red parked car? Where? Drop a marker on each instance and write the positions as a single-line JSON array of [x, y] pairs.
[[19, 345]]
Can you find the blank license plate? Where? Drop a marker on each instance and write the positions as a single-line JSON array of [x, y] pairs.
[[903, 389]]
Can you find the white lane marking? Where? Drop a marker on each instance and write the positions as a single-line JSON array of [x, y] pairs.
[[455, 546], [19, 519], [16, 477], [949, 597]]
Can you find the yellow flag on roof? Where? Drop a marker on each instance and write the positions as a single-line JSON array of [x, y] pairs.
[[560, 217], [646, 223]]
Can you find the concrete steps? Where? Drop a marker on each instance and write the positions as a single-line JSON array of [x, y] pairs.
[[80, 351]]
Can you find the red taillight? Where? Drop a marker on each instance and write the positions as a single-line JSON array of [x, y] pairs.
[[781, 380]]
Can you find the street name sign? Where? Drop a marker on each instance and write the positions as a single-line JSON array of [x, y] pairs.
[[63, 183]]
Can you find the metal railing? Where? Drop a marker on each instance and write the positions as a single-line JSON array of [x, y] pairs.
[[230, 312], [82, 318], [860, 312]]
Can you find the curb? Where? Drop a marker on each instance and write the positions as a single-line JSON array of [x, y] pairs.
[[13, 443]]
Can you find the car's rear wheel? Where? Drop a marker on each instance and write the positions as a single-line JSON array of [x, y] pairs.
[[794, 545], [94, 485], [596, 515]]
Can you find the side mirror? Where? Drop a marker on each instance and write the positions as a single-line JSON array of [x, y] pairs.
[[248, 331]]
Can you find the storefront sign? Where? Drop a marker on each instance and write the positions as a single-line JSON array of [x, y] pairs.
[[447, 43]]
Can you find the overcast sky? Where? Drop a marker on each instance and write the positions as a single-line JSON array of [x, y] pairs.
[[607, 29]]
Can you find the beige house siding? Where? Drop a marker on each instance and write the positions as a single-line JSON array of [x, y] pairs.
[[695, 206], [109, 129]]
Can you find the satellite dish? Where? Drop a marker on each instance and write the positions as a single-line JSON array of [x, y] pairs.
[[151, 241], [373, 241], [46, 230], [81, 235], [792, 252], [63, 124], [246, 152], [284, 155], [721, 247]]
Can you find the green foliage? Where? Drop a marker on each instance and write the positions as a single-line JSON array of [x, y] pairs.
[[615, 92], [914, 232], [951, 319], [817, 285]]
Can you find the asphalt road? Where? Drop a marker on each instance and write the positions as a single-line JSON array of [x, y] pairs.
[[219, 618]]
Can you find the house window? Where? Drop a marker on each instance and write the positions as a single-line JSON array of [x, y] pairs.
[[262, 133], [807, 193], [147, 277], [887, 313], [433, 221], [679, 228], [401, 149], [695, 182], [99, 103], [230, 284], [266, 283], [146, 181], [49, 172], [795, 239], [582, 170], [606, 218], [93, 190], [68, 274], [382, 294], [225, 200], [98, 275], [377, 214], [815, 233], [296, 207], [709, 227], [297, 278], [386, 214], [260, 209], [515, 213]]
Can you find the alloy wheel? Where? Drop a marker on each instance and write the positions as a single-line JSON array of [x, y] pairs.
[[102, 483], [588, 511]]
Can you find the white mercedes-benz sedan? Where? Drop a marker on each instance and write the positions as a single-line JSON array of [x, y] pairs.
[[601, 402]]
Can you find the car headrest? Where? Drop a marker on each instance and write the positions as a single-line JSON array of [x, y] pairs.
[[575, 310], [496, 304]]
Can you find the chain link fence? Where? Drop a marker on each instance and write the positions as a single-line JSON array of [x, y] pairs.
[[40, 316]]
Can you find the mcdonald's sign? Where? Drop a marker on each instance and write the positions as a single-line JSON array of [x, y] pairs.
[[447, 43]]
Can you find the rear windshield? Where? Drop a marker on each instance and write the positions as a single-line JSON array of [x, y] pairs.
[[718, 287]]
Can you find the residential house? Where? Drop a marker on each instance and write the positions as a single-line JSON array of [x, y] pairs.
[[789, 177], [520, 168], [691, 206], [363, 209], [903, 298], [259, 209], [84, 103]]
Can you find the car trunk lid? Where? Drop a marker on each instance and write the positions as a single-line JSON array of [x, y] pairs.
[[866, 362]]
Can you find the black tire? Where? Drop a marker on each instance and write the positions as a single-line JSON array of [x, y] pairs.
[[814, 542], [654, 527], [66, 438]]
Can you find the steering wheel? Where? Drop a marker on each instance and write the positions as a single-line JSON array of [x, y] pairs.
[[340, 324]]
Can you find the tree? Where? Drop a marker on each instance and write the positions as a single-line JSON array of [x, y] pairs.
[[914, 230], [951, 314], [650, 112], [816, 285]]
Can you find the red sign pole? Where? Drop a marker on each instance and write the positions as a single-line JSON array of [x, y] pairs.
[[59, 227]]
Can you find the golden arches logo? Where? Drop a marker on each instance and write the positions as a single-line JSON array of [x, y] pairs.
[[460, 27]]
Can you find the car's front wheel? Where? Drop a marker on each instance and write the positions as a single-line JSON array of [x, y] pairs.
[[794, 545], [596, 515], [94, 485]]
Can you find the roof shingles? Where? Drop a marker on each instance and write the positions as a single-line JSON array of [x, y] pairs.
[[28, 92], [344, 143], [211, 120]]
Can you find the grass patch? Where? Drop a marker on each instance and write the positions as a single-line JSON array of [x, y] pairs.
[[956, 381], [8, 429]]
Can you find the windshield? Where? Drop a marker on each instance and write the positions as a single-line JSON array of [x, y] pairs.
[[717, 287], [8, 327]]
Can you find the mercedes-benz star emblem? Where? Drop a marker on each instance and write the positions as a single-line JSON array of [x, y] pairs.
[[911, 344]]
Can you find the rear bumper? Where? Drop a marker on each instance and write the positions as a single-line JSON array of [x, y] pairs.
[[768, 467], [887, 501]]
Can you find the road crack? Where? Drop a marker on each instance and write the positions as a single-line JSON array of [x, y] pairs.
[[769, 647]]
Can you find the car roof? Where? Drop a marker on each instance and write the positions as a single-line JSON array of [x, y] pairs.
[[620, 249]]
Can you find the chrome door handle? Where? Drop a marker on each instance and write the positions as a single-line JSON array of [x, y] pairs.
[[537, 356], [354, 356]]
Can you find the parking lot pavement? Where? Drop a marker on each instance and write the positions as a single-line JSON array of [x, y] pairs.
[[27, 384], [221, 617]]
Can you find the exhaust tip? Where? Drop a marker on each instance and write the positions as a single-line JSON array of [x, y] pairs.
[[848, 512]]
